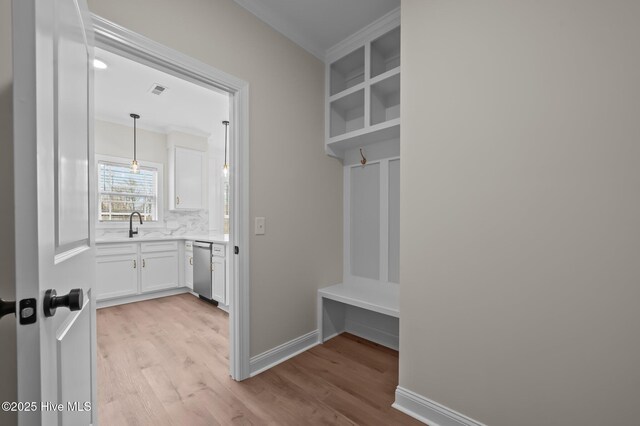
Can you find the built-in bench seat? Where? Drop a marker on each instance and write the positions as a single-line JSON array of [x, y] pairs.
[[367, 308]]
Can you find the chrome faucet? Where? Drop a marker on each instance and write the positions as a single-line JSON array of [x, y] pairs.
[[131, 231]]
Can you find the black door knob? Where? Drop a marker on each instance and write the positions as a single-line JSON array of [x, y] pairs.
[[7, 308], [52, 301]]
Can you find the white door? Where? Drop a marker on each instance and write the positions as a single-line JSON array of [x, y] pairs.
[[53, 169]]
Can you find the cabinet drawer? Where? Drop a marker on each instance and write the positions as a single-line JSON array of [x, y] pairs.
[[115, 249], [156, 246], [218, 250]]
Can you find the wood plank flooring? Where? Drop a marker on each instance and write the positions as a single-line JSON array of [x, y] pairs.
[[165, 362]]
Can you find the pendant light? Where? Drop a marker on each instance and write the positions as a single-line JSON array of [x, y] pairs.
[[225, 168], [134, 163]]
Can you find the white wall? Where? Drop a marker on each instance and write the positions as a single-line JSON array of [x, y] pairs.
[[293, 183], [117, 140], [216, 181], [520, 209], [8, 390]]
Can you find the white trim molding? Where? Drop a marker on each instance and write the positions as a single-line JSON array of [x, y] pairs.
[[428, 411], [287, 350], [121, 41]]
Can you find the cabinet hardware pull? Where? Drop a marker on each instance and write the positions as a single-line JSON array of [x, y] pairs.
[[134, 265], [213, 267], [177, 200], [190, 260], [144, 264]]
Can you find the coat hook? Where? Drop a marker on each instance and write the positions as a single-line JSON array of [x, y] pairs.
[[364, 160]]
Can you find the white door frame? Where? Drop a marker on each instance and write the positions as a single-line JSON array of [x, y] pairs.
[[119, 40]]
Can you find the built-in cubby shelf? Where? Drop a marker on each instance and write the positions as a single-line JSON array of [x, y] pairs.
[[385, 100], [347, 71], [385, 52], [363, 88], [347, 113]]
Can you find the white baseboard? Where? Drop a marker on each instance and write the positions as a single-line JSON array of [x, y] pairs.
[[140, 297], [428, 411], [273, 357]]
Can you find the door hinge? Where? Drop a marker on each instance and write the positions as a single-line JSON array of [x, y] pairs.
[[236, 250]]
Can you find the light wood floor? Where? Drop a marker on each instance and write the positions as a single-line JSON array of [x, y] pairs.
[[165, 362]]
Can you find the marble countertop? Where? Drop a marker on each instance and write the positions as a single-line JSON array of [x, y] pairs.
[[214, 238]]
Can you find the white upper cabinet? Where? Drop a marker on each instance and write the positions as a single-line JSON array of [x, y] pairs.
[[186, 179], [363, 87]]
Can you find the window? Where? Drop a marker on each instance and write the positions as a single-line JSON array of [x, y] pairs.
[[121, 192]]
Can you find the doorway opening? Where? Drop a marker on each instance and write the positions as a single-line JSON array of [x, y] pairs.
[[194, 145]]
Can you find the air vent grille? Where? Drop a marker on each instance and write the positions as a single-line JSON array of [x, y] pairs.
[[158, 89]]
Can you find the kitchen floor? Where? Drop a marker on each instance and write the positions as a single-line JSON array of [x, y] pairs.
[[165, 362]]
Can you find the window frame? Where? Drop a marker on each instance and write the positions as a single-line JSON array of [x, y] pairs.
[[159, 223]]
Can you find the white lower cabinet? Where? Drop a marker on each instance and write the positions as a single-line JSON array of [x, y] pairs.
[[159, 271], [117, 276], [218, 275], [134, 268], [188, 264]]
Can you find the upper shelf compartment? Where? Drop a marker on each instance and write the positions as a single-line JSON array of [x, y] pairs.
[[362, 104], [347, 71], [385, 52]]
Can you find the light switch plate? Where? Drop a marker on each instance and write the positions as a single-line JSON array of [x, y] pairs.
[[260, 226]]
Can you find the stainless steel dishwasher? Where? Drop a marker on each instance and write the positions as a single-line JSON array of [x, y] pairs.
[[202, 258]]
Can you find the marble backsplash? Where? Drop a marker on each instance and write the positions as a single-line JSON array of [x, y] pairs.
[[175, 224]]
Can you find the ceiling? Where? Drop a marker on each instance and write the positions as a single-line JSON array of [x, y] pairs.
[[317, 25], [124, 88]]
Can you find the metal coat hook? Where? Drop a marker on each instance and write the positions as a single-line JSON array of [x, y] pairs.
[[364, 160]]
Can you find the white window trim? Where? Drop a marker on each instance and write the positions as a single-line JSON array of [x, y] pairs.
[[160, 198]]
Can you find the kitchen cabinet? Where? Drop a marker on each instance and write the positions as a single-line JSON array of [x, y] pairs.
[[218, 276], [188, 264], [159, 271], [129, 269], [186, 179], [116, 276], [132, 271]]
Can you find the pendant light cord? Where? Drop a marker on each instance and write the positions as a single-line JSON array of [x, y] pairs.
[[226, 133], [135, 148], [135, 131]]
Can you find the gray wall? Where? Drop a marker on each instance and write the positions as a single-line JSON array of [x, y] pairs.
[[8, 390], [293, 183], [520, 215]]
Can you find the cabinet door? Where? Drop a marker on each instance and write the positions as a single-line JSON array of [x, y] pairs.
[[219, 280], [188, 179], [159, 271], [117, 276], [188, 269]]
